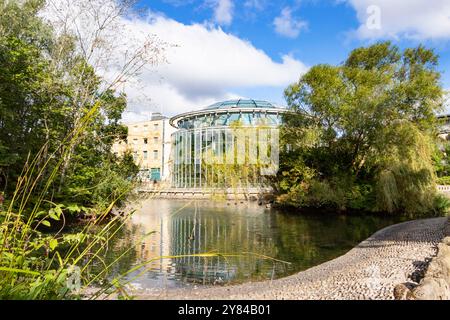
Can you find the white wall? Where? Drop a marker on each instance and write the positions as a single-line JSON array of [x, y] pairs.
[[167, 147]]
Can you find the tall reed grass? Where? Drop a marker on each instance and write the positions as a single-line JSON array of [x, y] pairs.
[[39, 265]]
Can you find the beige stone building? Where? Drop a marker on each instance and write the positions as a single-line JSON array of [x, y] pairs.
[[150, 143]]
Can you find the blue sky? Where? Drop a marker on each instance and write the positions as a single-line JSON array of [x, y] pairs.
[[323, 40], [254, 48]]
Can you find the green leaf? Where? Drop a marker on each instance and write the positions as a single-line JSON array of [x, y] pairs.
[[14, 270], [40, 214], [61, 263], [53, 244], [73, 208], [53, 216], [46, 223], [58, 209]]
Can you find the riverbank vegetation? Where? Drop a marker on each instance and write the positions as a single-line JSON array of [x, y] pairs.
[[57, 114], [442, 160], [58, 121], [362, 136]]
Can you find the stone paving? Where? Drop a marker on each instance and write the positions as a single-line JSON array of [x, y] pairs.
[[393, 255]]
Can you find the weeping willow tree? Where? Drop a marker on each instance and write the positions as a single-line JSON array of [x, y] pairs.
[[239, 164], [360, 136], [406, 178]]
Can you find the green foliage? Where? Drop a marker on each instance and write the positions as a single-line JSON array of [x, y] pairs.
[[360, 136], [445, 180], [238, 175], [441, 160], [46, 89], [39, 265], [441, 204], [57, 126]]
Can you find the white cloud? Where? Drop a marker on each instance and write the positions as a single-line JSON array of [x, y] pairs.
[[288, 26], [411, 19], [204, 67], [179, 3], [255, 4], [223, 11]]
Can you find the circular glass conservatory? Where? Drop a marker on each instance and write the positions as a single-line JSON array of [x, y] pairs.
[[228, 144]]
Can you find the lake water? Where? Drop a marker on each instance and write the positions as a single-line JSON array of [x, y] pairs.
[[250, 232]]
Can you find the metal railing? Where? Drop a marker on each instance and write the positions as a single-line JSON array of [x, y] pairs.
[[443, 188]]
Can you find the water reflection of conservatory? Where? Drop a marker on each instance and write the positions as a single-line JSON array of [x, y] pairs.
[[206, 232], [228, 144], [181, 237]]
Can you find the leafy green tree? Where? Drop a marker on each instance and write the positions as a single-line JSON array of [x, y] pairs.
[[47, 88], [58, 121], [361, 135]]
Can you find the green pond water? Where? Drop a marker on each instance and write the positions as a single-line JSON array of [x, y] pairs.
[[183, 228]]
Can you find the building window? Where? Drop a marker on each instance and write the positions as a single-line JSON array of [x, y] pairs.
[[145, 140], [145, 155], [155, 154], [155, 126], [135, 155], [155, 139]]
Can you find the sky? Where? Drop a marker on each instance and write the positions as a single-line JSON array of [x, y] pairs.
[[227, 49]]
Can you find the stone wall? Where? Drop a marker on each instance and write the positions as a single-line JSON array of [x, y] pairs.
[[435, 285], [242, 194]]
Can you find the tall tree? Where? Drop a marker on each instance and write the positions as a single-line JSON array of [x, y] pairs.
[[56, 101], [361, 134]]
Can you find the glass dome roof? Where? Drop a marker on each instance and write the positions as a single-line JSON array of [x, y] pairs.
[[223, 113], [241, 103]]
